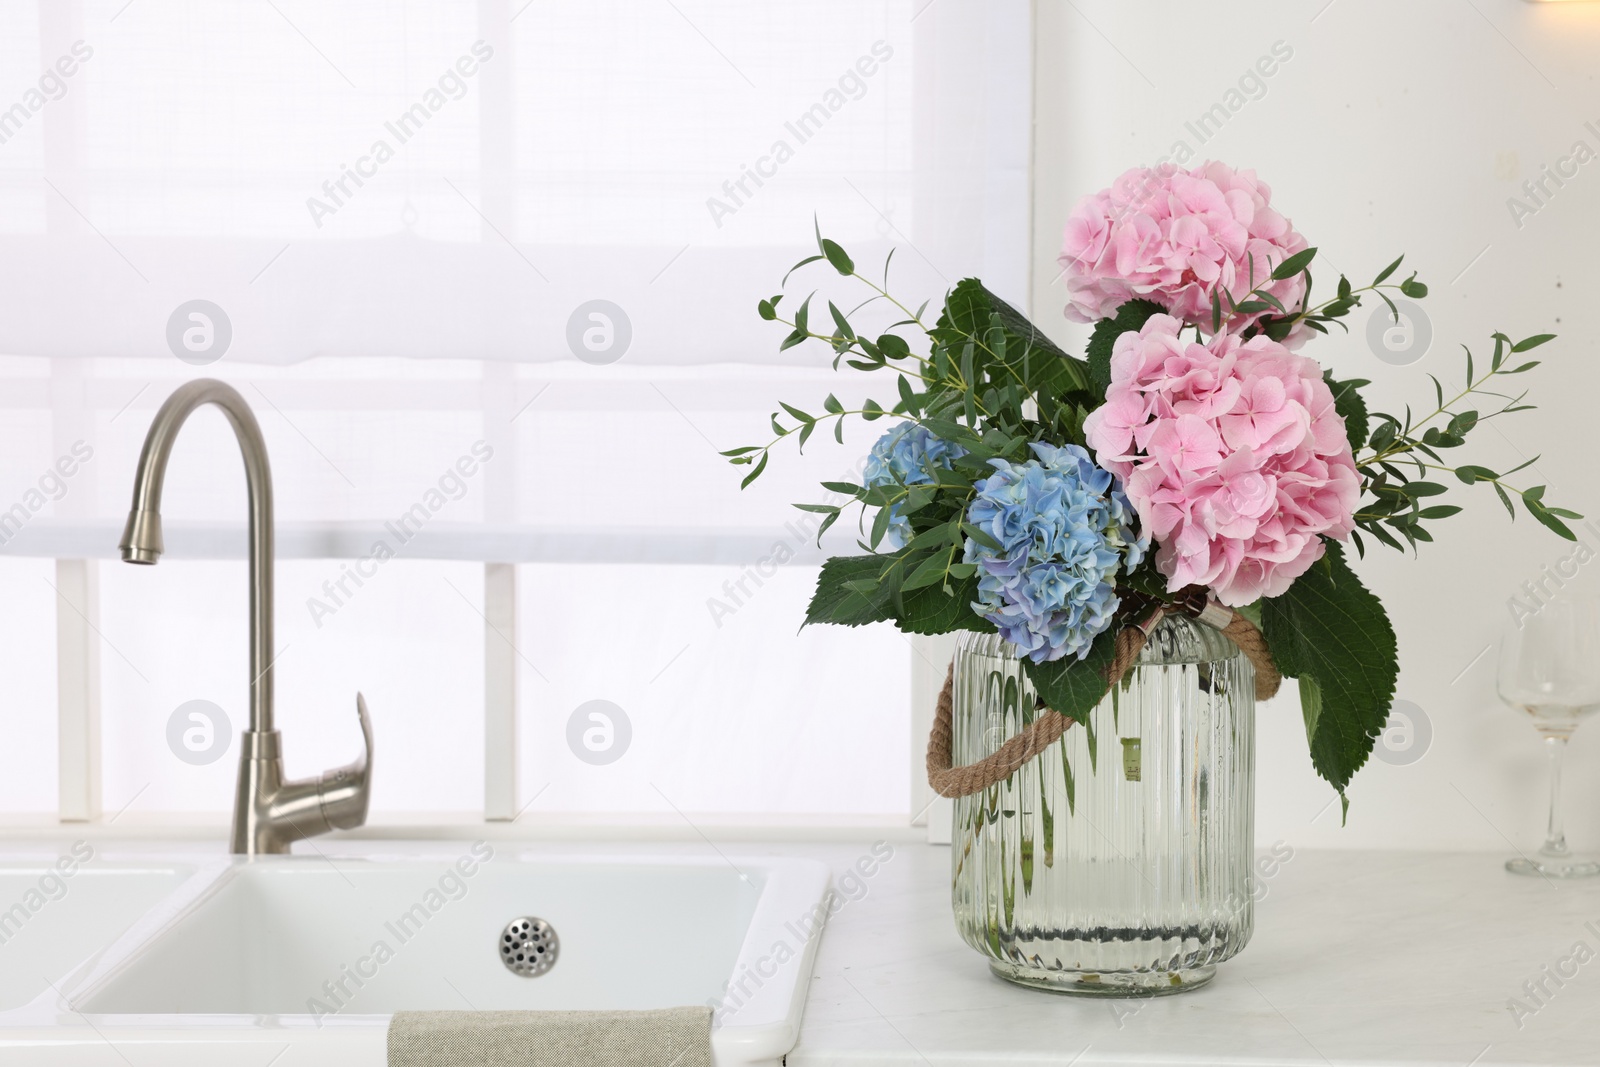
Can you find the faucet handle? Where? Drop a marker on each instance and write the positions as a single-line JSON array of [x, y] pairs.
[[345, 791]]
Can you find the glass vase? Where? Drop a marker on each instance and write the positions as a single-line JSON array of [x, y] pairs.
[[1117, 862]]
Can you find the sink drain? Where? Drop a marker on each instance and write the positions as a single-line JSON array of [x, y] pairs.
[[529, 946]]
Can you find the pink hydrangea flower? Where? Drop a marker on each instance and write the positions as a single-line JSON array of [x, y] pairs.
[[1176, 237], [1232, 454]]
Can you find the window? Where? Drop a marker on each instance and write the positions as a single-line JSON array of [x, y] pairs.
[[426, 238]]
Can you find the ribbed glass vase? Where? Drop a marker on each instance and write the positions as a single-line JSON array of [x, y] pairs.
[[1118, 861]]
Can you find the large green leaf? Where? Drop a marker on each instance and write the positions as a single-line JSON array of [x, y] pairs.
[[1330, 629], [929, 610], [834, 602], [1074, 687], [1349, 405], [1130, 316], [969, 311]]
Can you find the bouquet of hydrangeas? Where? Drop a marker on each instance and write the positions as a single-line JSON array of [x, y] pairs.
[[1192, 454]]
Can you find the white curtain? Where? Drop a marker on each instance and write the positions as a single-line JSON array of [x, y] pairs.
[[541, 229]]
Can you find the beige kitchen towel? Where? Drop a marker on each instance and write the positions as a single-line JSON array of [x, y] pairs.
[[670, 1037]]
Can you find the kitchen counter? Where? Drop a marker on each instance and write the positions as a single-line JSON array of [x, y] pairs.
[[1357, 957]]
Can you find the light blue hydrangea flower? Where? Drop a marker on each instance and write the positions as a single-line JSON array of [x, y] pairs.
[[1065, 529], [907, 455]]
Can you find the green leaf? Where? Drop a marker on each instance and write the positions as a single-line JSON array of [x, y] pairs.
[[1383, 436], [1472, 472], [1506, 500], [1075, 687], [880, 525], [982, 537], [1310, 703], [893, 346], [970, 311], [797, 266], [935, 535], [1330, 628], [1416, 489], [836, 602], [1545, 517], [1349, 405], [970, 396], [931, 610], [1385, 272], [1554, 524], [856, 590], [1383, 535], [837, 258], [908, 399], [802, 317], [929, 572], [1532, 342], [846, 488], [917, 498], [1130, 316], [1413, 288], [760, 466], [840, 323], [1294, 264]]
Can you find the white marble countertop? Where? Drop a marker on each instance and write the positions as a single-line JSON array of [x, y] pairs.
[[1357, 957]]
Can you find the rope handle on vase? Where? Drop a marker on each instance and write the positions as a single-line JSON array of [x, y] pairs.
[[1047, 729]]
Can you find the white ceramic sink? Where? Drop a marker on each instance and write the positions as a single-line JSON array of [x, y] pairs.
[[58, 910], [251, 956]]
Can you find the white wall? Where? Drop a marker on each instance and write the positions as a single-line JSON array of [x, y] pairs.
[[1394, 127]]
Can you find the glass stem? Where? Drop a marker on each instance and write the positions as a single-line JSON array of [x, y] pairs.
[[1555, 843]]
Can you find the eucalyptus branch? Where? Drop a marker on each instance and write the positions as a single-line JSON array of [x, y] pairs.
[[1277, 322], [807, 423], [1397, 508]]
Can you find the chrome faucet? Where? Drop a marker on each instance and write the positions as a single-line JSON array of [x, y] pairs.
[[268, 812]]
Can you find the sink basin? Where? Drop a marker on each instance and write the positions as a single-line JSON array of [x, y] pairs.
[[56, 912], [318, 952]]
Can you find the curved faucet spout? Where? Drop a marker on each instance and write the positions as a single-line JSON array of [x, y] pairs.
[[141, 537], [269, 812]]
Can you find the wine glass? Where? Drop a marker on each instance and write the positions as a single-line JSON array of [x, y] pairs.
[[1550, 669]]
